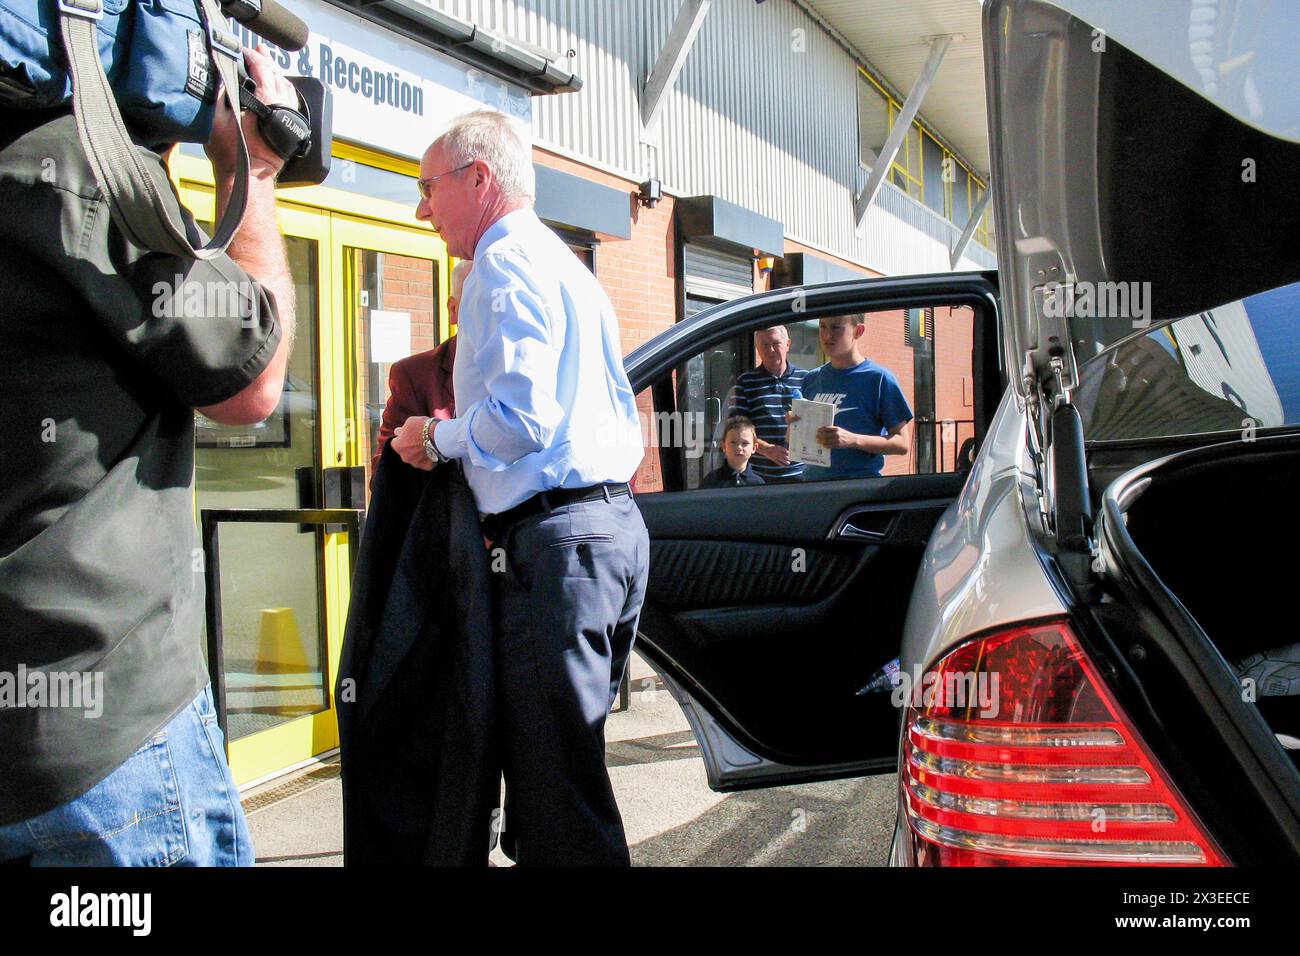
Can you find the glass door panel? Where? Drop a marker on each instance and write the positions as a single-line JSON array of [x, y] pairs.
[[279, 632], [392, 300]]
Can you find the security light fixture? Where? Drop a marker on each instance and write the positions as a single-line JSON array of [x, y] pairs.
[[651, 191]]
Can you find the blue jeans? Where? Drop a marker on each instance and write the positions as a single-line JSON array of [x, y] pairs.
[[173, 802]]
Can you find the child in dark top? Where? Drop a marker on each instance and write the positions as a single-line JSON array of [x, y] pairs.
[[738, 446]]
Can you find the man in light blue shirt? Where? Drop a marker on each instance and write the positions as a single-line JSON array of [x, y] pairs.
[[547, 431]]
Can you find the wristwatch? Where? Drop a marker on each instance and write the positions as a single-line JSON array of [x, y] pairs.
[[430, 448]]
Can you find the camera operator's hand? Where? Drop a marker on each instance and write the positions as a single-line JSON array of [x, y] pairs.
[[256, 247], [273, 90]]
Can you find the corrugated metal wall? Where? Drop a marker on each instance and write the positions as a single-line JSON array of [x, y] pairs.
[[764, 114]]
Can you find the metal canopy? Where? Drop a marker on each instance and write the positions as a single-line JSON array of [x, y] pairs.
[[690, 17], [534, 70], [902, 125], [966, 234], [894, 40]]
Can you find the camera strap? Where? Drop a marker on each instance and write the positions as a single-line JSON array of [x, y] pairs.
[[134, 191]]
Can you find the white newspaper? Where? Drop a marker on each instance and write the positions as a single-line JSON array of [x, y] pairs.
[[802, 436]]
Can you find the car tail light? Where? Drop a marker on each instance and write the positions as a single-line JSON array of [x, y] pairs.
[[1017, 754]]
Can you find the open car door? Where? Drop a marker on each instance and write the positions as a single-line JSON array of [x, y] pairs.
[[769, 606]]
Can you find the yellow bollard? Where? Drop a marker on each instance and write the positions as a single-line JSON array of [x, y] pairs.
[[279, 646]]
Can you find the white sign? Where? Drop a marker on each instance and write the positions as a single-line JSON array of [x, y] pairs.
[[802, 438], [389, 92], [390, 336]]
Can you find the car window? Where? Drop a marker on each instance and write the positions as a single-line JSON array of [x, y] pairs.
[[891, 393], [1233, 368]]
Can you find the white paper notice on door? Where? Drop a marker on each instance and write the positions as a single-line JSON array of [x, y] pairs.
[[390, 336], [802, 437]]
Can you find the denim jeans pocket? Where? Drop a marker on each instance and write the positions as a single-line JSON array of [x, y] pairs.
[[131, 818]]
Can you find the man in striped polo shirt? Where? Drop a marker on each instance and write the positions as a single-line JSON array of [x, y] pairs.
[[763, 395]]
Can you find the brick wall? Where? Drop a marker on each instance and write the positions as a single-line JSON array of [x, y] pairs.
[[954, 386], [408, 285], [640, 277], [886, 346], [404, 284]]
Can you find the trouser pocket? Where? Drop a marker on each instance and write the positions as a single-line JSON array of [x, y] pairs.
[[131, 818]]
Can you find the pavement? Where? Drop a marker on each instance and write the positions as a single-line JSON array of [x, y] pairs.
[[671, 816]]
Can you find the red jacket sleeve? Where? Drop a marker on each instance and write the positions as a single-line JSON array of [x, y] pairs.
[[402, 402]]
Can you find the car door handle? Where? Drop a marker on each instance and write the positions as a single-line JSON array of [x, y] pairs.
[[867, 526]]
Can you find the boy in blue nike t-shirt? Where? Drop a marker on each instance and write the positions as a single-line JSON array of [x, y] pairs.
[[872, 413]]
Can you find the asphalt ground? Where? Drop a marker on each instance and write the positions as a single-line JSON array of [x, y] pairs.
[[671, 816]]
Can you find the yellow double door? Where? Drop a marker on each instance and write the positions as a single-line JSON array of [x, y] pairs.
[[371, 286]]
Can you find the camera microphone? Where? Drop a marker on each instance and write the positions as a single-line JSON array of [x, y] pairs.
[[270, 20]]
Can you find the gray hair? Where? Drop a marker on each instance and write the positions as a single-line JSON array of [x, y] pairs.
[[459, 273], [499, 141]]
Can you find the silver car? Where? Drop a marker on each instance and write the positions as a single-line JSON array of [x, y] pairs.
[[1076, 565]]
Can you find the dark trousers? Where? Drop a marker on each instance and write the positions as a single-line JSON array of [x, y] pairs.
[[567, 605]]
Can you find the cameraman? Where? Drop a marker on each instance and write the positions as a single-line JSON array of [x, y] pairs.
[[109, 749]]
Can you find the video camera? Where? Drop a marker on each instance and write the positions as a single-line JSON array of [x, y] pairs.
[[303, 137], [146, 72]]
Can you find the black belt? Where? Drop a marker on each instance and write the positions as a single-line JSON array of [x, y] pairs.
[[544, 501]]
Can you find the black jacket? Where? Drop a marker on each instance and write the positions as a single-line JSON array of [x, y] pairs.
[[421, 767], [727, 477]]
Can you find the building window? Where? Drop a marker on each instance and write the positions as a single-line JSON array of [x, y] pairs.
[[582, 244], [874, 122], [937, 166], [984, 231], [923, 168], [916, 328], [908, 171]]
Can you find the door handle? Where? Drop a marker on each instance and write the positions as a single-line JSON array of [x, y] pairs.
[[714, 415], [308, 493], [344, 487], [867, 526]]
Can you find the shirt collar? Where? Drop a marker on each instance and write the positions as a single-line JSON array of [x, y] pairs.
[[511, 222], [789, 370]]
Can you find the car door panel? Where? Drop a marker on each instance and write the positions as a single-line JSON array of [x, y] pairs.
[[760, 627], [807, 512]]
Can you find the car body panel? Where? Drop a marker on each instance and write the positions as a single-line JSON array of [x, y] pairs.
[[1042, 80], [1234, 53], [981, 570], [1089, 102], [729, 765]]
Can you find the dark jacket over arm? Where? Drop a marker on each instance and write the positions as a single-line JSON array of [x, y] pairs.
[[421, 771]]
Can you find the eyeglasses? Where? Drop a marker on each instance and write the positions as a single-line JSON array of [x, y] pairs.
[[426, 185]]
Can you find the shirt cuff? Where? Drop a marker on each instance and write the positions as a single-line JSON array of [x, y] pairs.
[[451, 436]]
